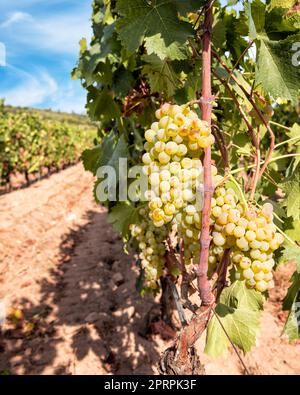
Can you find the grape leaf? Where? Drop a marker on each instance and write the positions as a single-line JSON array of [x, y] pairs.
[[123, 82], [275, 70], [239, 312], [294, 231], [183, 7], [292, 302], [256, 18], [283, 16], [291, 187], [121, 216], [107, 153], [156, 45], [291, 253], [238, 295], [141, 19], [160, 74], [295, 133], [90, 158], [219, 32], [101, 105]]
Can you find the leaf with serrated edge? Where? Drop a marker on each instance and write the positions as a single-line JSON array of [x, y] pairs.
[[292, 302], [155, 44], [160, 74], [291, 188], [239, 311], [291, 253], [141, 19], [275, 70], [121, 216]]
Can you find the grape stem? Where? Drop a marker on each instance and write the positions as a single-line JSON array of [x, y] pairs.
[[203, 283], [234, 171]]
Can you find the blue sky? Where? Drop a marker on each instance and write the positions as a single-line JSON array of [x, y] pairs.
[[41, 42]]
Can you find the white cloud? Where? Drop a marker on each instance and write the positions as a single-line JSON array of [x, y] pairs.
[[70, 98], [58, 33], [16, 17], [32, 90], [42, 90]]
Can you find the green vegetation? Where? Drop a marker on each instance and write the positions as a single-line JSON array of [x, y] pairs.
[[146, 55], [34, 141]]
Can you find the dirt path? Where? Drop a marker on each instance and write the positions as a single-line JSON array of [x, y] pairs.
[[64, 267]]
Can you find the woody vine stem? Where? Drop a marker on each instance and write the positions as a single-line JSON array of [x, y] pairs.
[[206, 106]]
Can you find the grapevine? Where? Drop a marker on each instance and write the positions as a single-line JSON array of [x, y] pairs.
[[32, 143], [185, 98]]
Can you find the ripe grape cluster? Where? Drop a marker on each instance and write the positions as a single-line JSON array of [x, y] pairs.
[[224, 208], [253, 254], [151, 245], [250, 235], [171, 161]]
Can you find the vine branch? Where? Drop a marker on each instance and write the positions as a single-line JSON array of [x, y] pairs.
[[258, 112], [204, 286], [254, 137]]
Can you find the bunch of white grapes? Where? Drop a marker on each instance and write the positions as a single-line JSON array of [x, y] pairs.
[[225, 210], [253, 255], [171, 162], [224, 205], [250, 234], [151, 245]]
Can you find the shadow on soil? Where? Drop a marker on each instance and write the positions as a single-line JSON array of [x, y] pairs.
[[89, 308]]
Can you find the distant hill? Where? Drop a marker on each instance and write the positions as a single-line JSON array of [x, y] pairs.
[[52, 115]]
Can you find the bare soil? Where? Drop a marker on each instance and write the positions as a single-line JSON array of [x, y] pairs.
[[71, 291]]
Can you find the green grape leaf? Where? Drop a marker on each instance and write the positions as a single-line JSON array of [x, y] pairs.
[[291, 253], [123, 82], [238, 296], [295, 133], [292, 303], [282, 16], [90, 158], [101, 105], [277, 70], [256, 18], [238, 313], [141, 19], [156, 45], [277, 66], [291, 188], [219, 32], [121, 216], [183, 7], [292, 292], [160, 74], [294, 231], [113, 148], [107, 153]]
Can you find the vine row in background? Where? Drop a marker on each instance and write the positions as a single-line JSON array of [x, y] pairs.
[[32, 144]]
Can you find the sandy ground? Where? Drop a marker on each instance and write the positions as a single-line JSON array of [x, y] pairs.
[[63, 267]]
